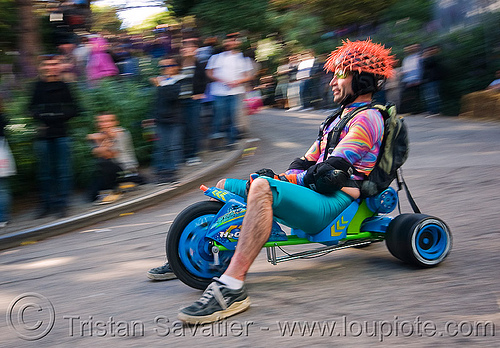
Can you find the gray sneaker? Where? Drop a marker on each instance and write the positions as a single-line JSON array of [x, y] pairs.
[[161, 273], [217, 302]]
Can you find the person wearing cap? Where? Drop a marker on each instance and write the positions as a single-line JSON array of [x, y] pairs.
[[316, 188]]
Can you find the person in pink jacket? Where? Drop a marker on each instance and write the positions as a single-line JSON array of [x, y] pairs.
[[100, 63]]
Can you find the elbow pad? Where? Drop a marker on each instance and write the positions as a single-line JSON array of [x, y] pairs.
[[329, 176], [301, 164]]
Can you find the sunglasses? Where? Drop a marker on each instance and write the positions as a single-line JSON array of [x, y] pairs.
[[341, 74], [167, 66]]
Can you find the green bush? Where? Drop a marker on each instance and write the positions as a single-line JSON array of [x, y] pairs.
[[470, 59]]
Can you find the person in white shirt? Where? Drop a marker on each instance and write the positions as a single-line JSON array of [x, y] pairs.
[[229, 71], [304, 76]]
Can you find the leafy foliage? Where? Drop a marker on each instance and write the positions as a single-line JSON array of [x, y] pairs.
[[418, 10], [225, 16], [343, 13], [152, 21], [8, 22], [182, 8], [336, 13], [20, 134], [470, 57], [105, 19]]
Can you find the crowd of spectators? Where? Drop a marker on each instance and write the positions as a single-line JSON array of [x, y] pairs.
[[211, 79]]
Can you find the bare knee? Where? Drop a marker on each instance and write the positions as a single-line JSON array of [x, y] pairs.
[[260, 187], [221, 183]]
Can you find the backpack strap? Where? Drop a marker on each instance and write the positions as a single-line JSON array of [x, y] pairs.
[[402, 184], [328, 121], [334, 136], [385, 115]]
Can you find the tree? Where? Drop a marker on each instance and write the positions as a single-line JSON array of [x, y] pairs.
[[9, 20], [225, 16], [337, 13], [29, 41], [341, 13], [295, 27], [105, 19], [181, 8], [417, 10], [153, 21]]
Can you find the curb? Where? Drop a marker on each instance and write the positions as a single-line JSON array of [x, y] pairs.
[[82, 220]]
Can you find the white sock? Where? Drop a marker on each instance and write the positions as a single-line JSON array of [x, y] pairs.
[[230, 282]]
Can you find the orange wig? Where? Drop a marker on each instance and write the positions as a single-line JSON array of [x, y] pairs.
[[362, 56]]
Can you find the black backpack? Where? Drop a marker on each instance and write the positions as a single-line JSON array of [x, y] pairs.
[[393, 150]]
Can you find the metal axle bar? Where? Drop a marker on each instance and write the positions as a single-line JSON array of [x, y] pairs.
[[273, 259]]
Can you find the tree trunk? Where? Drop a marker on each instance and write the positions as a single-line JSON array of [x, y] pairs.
[[29, 39]]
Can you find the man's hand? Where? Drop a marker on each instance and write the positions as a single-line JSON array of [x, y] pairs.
[[103, 152], [233, 84], [267, 172], [282, 177], [105, 143], [292, 178], [98, 137]]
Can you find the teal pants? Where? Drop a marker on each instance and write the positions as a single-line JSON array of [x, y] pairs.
[[297, 206]]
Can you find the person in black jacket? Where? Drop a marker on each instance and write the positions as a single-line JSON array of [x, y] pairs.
[[432, 72], [192, 92], [52, 106], [169, 121]]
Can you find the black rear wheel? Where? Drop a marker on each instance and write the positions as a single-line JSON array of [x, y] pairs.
[[419, 239]]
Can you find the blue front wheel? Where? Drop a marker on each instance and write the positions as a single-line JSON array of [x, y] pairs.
[[189, 252]]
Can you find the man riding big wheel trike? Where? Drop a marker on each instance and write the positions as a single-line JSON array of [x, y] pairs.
[[336, 196]]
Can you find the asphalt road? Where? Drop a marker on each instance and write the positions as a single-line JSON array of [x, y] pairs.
[[91, 284]]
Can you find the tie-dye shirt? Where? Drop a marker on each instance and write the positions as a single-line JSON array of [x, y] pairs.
[[359, 144]]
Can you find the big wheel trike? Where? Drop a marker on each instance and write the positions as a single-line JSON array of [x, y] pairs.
[[203, 237]]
